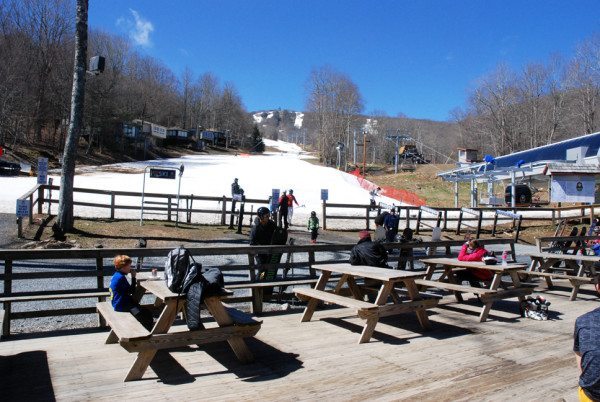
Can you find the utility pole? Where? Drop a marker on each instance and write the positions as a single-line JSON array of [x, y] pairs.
[[354, 159], [364, 154]]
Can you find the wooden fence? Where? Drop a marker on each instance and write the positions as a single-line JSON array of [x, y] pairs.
[[316, 254], [438, 217], [37, 198]]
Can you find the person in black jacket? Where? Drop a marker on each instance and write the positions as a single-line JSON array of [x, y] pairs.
[[262, 233], [367, 252]]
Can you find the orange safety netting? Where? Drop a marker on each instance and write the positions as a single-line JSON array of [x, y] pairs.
[[398, 194]]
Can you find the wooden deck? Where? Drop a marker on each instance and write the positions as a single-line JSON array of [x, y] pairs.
[[505, 358]]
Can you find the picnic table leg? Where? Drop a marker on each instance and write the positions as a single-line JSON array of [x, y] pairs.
[[576, 283], [485, 310], [369, 328], [413, 293], [144, 358], [452, 279], [546, 267], [429, 271], [222, 317], [338, 286], [516, 283], [354, 289], [312, 303]]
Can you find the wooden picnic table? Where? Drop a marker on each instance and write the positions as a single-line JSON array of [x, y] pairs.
[[370, 312], [578, 269], [487, 294], [233, 326]]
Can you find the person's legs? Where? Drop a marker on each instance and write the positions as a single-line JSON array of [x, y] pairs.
[[279, 218], [285, 219], [290, 215]]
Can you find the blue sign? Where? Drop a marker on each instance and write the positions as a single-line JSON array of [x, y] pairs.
[[324, 194], [274, 199], [42, 176]]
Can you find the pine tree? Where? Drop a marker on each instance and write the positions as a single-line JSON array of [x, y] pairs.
[[257, 142]]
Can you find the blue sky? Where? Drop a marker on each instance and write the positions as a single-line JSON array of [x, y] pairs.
[[414, 57]]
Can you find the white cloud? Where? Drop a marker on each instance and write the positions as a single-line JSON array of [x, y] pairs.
[[139, 29]]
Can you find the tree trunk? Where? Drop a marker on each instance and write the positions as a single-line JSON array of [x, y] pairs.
[[65, 205]]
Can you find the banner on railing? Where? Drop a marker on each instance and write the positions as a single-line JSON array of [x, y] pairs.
[[507, 213], [430, 210]]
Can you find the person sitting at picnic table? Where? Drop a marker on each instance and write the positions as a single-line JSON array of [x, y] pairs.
[[473, 251], [587, 351], [367, 252], [121, 292]]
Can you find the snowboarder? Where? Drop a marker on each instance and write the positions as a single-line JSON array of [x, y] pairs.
[[291, 201], [373, 194], [313, 227]]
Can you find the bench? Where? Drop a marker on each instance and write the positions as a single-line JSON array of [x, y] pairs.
[[123, 324], [453, 287], [365, 309], [553, 275], [23, 297]]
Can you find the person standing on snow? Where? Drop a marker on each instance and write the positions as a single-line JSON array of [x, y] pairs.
[[282, 208], [291, 201], [313, 227], [373, 194]]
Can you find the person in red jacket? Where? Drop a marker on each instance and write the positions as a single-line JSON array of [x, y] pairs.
[[473, 251]]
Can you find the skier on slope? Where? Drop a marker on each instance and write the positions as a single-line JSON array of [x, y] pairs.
[[291, 201]]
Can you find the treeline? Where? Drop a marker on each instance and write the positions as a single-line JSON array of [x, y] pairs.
[[509, 111], [36, 71]]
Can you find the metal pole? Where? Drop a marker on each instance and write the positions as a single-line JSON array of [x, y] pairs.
[[364, 154], [456, 194], [513, 196], [178, 189], [143, 190], [354, 155], [396, 154]]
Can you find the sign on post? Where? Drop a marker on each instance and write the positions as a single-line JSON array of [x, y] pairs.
[[324, 194], [42, 176], [162, 173], [274, 199], [22, 208]]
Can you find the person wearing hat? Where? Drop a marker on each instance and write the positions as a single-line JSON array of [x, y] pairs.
[[291, 201], [313, 227], [368, 252]]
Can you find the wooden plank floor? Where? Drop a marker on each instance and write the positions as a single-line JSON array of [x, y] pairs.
[[506, 358]]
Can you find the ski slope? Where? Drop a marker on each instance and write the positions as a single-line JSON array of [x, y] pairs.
[[212, 175]]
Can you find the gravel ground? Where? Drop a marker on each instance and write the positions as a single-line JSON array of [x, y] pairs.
[[8, 239]]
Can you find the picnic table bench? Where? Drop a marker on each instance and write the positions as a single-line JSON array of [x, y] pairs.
[[543, 265], [447, 281], [233, 326], [371, 312]]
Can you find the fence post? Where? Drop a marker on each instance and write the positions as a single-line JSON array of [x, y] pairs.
[[223, 210], [518, 229], [169, 209], [7, 292], [20, 228], [112, 205], [418, 221], [494, 226], [311, 261], [479, 222], [407, 217], [324, 215], [40, 200], [368, 210], [553, 217], [460, 216], [100, 286], [30, 209], [439, 220], [591, 214]]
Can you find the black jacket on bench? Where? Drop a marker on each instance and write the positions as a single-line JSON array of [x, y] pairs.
[[367, 252]]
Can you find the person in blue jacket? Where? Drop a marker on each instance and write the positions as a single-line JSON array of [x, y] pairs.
[[121, 292]]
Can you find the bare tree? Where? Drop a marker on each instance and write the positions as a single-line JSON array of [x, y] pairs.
[[65, 204]]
